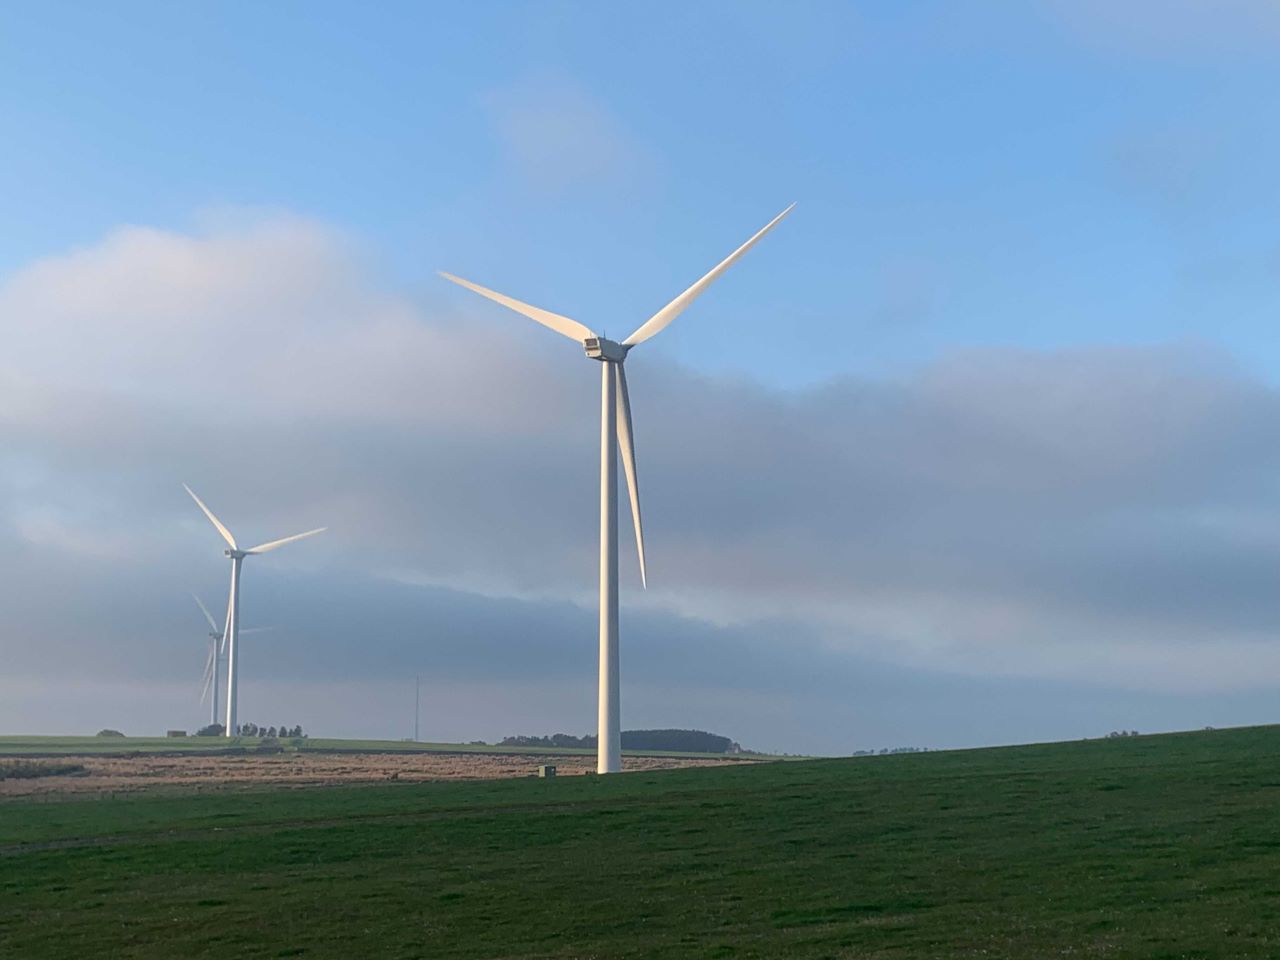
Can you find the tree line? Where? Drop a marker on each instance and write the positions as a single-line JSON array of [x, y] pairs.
[[252, 730], [683, 741]]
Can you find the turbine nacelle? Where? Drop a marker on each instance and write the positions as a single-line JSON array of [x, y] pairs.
[[233, 549], [599, 348]]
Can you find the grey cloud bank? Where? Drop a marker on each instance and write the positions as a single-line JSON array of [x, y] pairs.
[[1005, 545]]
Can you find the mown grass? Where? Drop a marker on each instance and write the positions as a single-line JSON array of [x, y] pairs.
[[1159, 847]]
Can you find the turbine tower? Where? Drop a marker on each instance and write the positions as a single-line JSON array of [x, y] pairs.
[[615, 431], [232, 631]]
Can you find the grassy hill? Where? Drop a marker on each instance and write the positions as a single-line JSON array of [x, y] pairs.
[[1165, 846]]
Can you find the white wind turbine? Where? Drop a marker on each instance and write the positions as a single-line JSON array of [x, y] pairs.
[[209, 682], [232, 631], [615, 430], [217, 649]]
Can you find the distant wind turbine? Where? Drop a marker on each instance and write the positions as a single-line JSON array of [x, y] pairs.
[[615, 430], [210, 679], [231, 631], [217, 649]]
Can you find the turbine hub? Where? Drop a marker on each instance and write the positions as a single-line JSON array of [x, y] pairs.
[[598, 348], [234, 554]]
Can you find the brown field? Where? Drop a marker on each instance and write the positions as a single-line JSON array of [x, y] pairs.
[[125, 774]]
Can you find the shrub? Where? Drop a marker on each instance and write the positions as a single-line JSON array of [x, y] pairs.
[[30, 769], [108, 732]]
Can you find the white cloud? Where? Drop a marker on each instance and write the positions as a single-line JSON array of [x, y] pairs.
[[1090, 515]]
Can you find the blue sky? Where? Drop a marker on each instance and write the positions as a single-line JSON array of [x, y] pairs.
[[988, 418], [1010, 174]]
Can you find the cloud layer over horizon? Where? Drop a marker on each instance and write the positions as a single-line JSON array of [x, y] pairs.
[[1099, 519]]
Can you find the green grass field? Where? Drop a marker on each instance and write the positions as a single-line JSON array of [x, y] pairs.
[[1159, 847]]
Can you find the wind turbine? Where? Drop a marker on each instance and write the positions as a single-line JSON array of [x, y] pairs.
[[217, 649], [232, 631], [615, 430], [209, 683]]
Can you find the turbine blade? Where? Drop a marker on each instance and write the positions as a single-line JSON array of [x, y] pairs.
[[659, 320], [213, 625], [562, 325], [626, 444], [226, 627], [226, 534], [208, 675], [264, 547], [245, 630]]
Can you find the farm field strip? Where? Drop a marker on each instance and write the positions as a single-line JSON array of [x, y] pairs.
[[36, 746], [212, 771]]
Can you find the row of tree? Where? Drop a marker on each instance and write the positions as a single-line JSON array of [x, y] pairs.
[[683, 741], [885, 751], [251, 730]]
